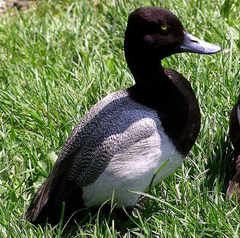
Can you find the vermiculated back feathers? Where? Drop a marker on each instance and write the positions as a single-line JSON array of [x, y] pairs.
[[87, 152]]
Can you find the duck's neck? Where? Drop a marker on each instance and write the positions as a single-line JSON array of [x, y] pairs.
[[154, 88], [171, 96], [144, 66], [153, 85]]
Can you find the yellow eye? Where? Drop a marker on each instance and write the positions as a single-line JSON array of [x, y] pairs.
[[164, 27]]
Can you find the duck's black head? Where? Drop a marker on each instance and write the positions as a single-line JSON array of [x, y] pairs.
[[154, 29], [154, 33]]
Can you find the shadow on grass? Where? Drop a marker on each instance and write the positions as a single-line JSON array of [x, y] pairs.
[[220, 165]]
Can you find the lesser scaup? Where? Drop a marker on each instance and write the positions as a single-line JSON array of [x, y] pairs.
[[234, 130], [123, 140]]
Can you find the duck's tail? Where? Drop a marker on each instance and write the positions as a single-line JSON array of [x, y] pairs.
[[47, 204]]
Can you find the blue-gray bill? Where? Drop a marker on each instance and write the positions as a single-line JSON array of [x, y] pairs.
[[194, 45]]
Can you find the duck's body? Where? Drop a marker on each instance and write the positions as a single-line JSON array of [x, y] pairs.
[[137, 145], [125, 138], [142, 142], [234, 130]]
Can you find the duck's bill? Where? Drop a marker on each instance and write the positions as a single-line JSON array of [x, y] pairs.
[[194, 45]]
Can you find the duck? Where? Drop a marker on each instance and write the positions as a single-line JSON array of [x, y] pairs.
[[234, 131], [116, 149]]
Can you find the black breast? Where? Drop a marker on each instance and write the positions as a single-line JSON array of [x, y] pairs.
[[173, 98]]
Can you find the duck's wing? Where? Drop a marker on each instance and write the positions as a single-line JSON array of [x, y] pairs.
[[85, 155], [62, 182]]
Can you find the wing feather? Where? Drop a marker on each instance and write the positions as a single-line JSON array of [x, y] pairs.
[[86, 154]]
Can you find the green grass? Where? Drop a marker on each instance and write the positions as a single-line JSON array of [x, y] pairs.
[[58, 58]]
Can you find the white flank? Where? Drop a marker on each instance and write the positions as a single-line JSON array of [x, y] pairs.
[[134, 168]]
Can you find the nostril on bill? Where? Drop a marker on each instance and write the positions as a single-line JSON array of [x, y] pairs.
[[194, 41]]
